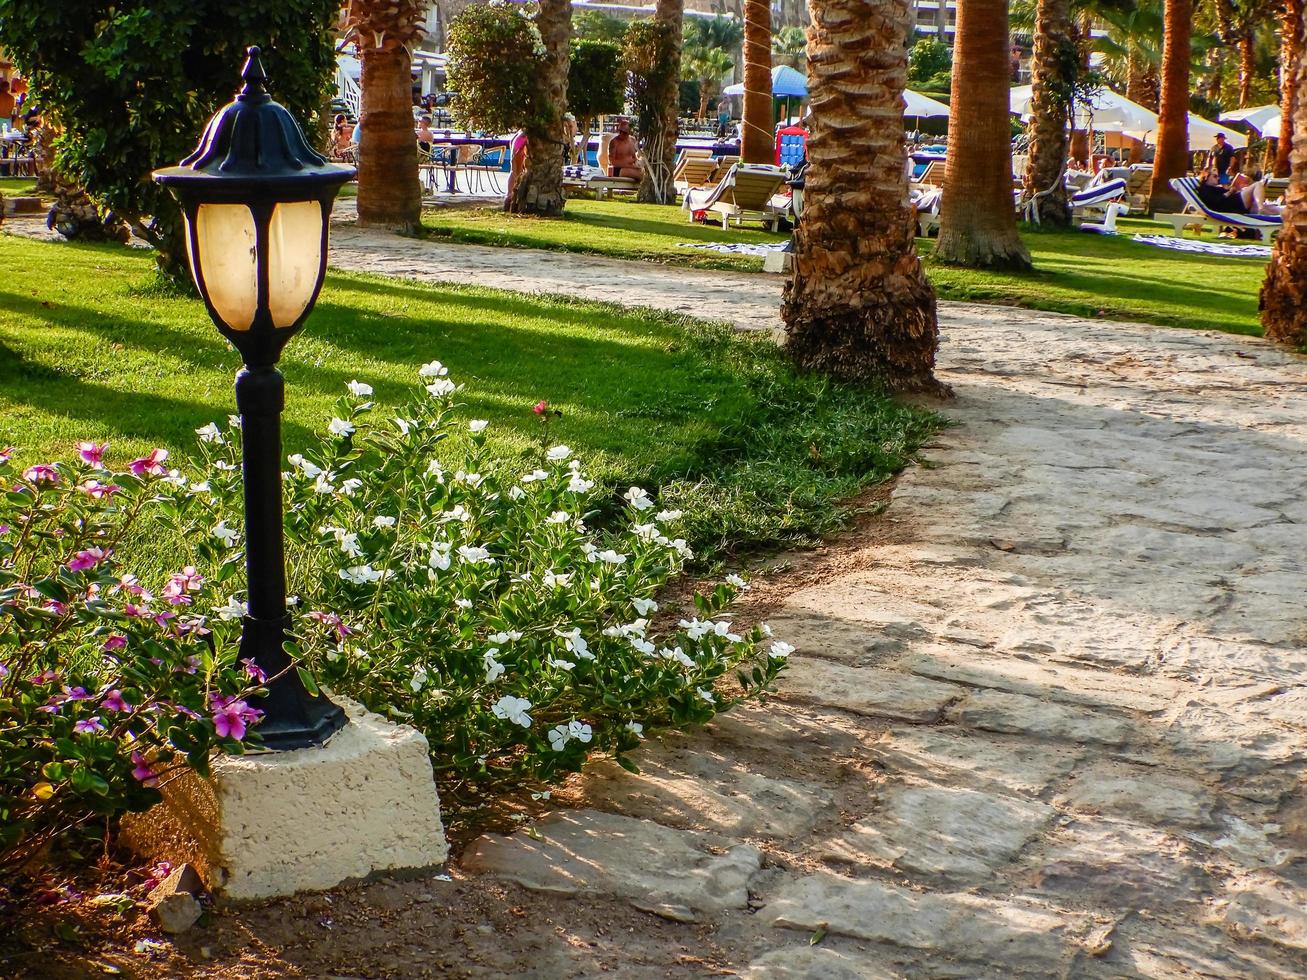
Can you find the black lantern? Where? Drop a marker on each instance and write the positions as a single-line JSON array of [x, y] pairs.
[[257, 203]]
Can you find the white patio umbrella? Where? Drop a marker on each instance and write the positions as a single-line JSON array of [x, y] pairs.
[[1263, 118], [1106, 111], [1202, 133], [916, 104]]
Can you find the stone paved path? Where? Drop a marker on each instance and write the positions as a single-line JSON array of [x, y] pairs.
[[1051, 721]]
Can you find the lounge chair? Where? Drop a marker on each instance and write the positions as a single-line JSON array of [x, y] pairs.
[[694, 168], [1199, 214], [926, 202], [933, 175], [748, 192], [1095, 201], [578, 178], [1139, 186]]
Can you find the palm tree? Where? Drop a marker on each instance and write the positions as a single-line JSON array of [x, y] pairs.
[[1050, 108], [859, 306], [705, 66], [656, 185], [539, 190], [789, 46], [1291, 52], [757, 144], [978, 225], [385, 33], [1172, 159], [1284, 294]]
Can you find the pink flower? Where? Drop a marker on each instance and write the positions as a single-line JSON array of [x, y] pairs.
[[135, 611], [42, 472], [130, 583], [141, 770], [89, 726], [45, 677], [56, 607], [540, 407], [161, 619], [151, 465], [88, 559], [75, 694], [334, 621], [6, 454], [231, 718], [115, 642], [113, 701], [98, 490], [4, 672], [255, 671], [183, 582], [92, 452]]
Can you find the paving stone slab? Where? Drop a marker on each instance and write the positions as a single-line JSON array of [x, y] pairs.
[[1271, 909], [698, 791], [975, 759], [1022, 937], [816, 963], [868, 691], [960, 834], [672, 873], [1016, 714], [1148, 795]]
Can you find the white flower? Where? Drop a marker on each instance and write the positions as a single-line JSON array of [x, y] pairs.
[[766, 629], [210, 433], [323, 484], [441, 388], [645, 532], [644, 606], [435, 469], [696, 628], [494, 669], [477, 425], [579, 484], [677, 654], [348, 487], [681, 548], [471, 479], [507, 636], [579, 731], [642, 646], [558, 453], [516, 493], [535, 475], [349, 543], [576, 643], [706, 694], [234, 421], [558, 737], [419, 678], [635, 728], [555, 580], [560, 663], [201, 487], [232, 610], [383, 521], [474, 555], [358, 389], [292, 600], [639, 499], [403, 425], [339, 427], [668, 515], [223, 466], [780, 649], [225, 534], [309, 469], [360, 575], [558, 517], [724, 629], [439, 559], [457, 513], [174, 477], [513, 709], [738, 582], [432, 369], [463, 603], [610, 557]]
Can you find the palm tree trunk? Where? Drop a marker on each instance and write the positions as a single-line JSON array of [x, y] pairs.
[[1291, 51], [389, 193], [1247, 67], [978, 225], [1138, 87], [859, 306], [1050, 113], [1172, 159], [1284, 294], [757, 144], [656, 183], [539, 190]]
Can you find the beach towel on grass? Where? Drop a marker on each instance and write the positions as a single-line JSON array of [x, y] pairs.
[[1209, 248], [738, 249]]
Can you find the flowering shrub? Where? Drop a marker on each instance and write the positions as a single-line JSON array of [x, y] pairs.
[[106, 686], [481, 605]]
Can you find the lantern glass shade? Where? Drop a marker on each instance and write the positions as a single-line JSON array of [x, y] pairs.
[[294, 259], [226, 266]]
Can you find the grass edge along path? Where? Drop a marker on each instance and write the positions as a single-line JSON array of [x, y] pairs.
[[1093, 276], [758, 456]]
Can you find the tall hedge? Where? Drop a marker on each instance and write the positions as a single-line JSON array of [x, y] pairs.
[[495, 53], [132, 82]]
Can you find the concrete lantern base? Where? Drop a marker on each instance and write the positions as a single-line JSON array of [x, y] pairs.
[[273, 824]]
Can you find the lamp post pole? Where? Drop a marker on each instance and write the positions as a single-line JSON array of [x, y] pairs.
[[257, 201]]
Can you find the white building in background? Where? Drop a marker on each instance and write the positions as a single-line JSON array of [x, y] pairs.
[[936, 18]]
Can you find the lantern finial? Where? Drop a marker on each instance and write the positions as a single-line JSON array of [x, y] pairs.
[[252, 74]]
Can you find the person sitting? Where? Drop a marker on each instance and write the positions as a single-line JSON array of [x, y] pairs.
[[1252, 191], [1218, 198], [340, 138], [624, 153], [424, 134]]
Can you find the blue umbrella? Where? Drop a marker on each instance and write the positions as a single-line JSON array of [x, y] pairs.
[[786, 83]]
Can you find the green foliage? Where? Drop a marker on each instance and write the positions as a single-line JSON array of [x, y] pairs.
[[495, 55], [507, 615], [598, 25], [105, 688], [789, 46], [132, 82], [647, 57], [706, 33], [928, 59], [596, 83]]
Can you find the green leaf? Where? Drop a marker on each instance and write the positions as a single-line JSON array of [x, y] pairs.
[[310, 684], [819, 935]]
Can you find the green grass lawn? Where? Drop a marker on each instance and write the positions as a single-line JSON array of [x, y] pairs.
[[91, 348], [1076, 272], [17, 186], [617, 228]]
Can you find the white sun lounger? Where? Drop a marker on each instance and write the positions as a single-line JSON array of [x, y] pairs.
[[1267, 225]]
